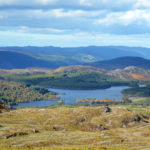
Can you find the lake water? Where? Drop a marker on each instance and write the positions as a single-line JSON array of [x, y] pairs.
[[70, 96]]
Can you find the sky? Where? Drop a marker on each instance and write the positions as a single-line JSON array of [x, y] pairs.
[[73, 23]]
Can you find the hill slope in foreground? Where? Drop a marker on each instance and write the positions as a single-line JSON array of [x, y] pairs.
[[115, 128]]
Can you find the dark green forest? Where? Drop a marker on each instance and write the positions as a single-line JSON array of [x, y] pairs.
[[72, 80]]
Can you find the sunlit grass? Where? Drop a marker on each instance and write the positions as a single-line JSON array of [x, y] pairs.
[[76, 128]]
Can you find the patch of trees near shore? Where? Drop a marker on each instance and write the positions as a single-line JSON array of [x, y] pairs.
[[14, 92]]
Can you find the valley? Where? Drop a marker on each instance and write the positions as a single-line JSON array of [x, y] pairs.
[[74, 75], [90, 105]]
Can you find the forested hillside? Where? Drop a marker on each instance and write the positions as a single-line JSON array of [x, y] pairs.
[[13, 93]]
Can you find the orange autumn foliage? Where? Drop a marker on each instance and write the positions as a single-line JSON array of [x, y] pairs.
[[139, 77], [99, 100]]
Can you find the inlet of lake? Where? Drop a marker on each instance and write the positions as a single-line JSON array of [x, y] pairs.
[[71, 96]]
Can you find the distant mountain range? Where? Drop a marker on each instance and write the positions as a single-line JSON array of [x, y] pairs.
[[12, 60], [80, 55], [54, 57]]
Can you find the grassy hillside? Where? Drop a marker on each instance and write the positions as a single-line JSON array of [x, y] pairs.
[[139, 91], [81, 128], [13, 93], [139, 95], [122, 62]]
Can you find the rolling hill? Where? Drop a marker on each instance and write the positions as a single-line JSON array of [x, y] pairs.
[[78, 77], [79, 55], [107, 57], [122, 62]]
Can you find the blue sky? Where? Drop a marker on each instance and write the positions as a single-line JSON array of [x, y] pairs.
[[74, 22]]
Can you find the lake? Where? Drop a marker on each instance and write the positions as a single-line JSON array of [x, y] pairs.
[[70, 96]]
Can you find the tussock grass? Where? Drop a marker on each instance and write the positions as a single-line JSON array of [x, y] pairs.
[[87, 128], [65, 148]]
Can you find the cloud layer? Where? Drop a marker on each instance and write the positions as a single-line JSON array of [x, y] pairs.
[[54, 18]]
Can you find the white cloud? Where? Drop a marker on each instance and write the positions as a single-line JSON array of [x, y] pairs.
[[142, 4], [108, 4], [25, 29], [65, 17], [61, 13], [73, 4], [45, 2], [26, 2], [85, 2], [9, 38], [7, 2], [126, 18]]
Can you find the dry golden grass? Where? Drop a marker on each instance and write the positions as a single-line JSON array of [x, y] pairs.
[[99, 100], [139, 77], [87, 128]]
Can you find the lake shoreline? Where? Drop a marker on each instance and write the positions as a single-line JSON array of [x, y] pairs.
[[82, 89], [70, 96]]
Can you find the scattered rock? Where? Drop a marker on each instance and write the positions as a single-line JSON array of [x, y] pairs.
[[82, 119], [58, 128], [145, 117], [137, 118], [36, 131], [79, 120], [11, 135], [128, 109], [93, 127], [101, 127], [16, 134], [107, 109], [134, 119]]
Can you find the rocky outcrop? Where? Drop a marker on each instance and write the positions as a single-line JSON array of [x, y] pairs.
[[107, 110], [16, 134], [134, 119]]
